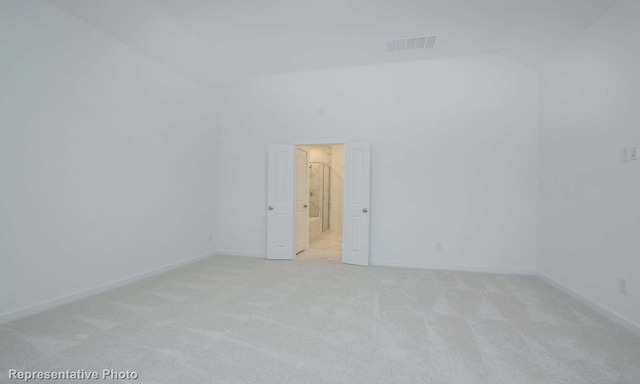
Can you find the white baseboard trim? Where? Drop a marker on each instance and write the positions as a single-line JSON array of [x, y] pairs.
[[258, 255], [50, 304], [601, 309], [453, 267]]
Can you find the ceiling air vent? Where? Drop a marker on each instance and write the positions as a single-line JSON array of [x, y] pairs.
[[410, 43]]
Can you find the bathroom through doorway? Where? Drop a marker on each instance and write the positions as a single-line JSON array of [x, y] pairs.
[[319, 202]]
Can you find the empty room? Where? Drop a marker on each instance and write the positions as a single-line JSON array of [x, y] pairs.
[[218, 191]]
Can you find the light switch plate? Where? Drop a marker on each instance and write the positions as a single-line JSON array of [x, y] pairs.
[[624, 155]]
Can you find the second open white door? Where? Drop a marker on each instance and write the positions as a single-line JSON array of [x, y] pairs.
[[357, 197], [302, 200]]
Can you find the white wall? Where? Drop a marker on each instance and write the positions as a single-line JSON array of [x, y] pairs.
[[320, 153], [454, 156], [590, 210], [107, 160]]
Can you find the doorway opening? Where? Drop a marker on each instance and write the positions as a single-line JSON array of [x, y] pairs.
[[319, 202], [286, 200]]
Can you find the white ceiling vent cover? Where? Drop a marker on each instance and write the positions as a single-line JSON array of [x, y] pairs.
[[410, 43]]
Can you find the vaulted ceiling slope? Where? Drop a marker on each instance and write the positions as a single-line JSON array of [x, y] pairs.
[[217, 43]]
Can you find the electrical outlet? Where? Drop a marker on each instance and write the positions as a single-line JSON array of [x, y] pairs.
[[624, 155], [210, 237], [622, 287], [633, 153], [438, 247]]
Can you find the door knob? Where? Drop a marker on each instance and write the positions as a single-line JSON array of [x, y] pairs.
[[270, 208], [365, 210]]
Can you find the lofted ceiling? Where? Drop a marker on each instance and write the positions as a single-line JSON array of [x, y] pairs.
[[219, 42]]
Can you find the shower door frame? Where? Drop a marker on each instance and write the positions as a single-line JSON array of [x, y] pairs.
[[323, 204]]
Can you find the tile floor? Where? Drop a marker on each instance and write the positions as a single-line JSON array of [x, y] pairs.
[[326, 247]]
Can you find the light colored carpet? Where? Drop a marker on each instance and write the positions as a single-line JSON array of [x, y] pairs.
[[326, 247], [241, 320]]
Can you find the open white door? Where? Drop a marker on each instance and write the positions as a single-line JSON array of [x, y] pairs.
[[302, 200], [280, 215], [357, 193]]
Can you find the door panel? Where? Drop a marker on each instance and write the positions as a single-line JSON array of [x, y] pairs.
[[357, 191], [280, 218], [302, 200]]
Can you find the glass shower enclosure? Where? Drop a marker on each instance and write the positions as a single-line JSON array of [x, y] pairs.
[[319, 179]]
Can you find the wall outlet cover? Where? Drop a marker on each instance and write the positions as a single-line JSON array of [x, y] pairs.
[[622, 286], [633, 153]]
